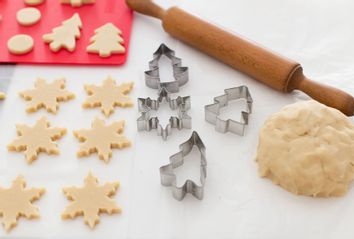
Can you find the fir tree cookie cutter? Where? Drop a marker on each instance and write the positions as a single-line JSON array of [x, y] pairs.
[[180, 74], [168, 178], [212, 111], [146, 123]]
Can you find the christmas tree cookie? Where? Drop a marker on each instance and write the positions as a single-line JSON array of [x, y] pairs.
[[36, 139], [65, 36], [106, 41], [16, 201], [91, 200]]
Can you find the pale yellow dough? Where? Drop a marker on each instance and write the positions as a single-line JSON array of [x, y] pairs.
[[308, 149], [28, 16], [20, 44], [16, 201], [77, 3], [91, 200], [2, 96], [33, 2]]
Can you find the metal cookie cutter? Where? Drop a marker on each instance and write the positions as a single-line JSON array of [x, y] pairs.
[[147, 123], [152, 77], [212, 111], [168, 178]]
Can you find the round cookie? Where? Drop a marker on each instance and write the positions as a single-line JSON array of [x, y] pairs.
[[33, 2], [28, 16], [308, 149], [20, 44]]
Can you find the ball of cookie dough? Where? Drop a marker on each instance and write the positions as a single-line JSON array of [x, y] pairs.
[[308, 149]]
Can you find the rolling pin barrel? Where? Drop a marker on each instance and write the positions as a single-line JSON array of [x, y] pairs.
[[262, 64]]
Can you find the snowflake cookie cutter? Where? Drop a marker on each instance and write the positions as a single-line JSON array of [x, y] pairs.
[[180, 73], [146, 123], [212, 111], [169, 179]]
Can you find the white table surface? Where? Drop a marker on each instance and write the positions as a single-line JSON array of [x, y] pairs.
[[237, 203]]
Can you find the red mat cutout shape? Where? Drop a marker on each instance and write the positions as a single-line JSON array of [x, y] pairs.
[[53, 13]]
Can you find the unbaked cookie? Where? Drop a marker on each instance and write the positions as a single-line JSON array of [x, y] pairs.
[[16, 201], [308, 149], [36, 139], [106, 41], [46, 95], [108, 96], [102, 139], [65, 36], [20, 44], [33, 2], [28, 16], [91, 200], [78, 3]]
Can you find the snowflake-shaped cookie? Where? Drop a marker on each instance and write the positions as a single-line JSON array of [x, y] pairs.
[[101, 139], [108, 96], [46, 95], [16, 201], [36, 139], [91, 200]]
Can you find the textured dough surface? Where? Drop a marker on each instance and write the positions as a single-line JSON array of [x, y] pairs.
[[34, 2], [308, 149], [91, 200], [20, 44], [16, 201], [28, 16]]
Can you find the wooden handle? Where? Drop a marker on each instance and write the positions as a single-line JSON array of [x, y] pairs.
[[276, 71]]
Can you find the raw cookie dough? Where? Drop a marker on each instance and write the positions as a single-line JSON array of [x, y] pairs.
[[20, 44], [65, 36], [106, 41], [36, 139], [101, 139], [108, 96], [77, 3], [16, 201], [46, 95], [308, 149], [34, 2], [91, 200], [28, 16]]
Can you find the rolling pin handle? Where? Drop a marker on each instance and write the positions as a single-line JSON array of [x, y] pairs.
[[147, 7]]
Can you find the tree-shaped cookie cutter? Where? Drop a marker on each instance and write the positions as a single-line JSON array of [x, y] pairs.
[[168, 178], [212, 111], [152, 76], [147, 123]]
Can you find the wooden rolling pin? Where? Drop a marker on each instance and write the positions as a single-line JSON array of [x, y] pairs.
[[268, 67]]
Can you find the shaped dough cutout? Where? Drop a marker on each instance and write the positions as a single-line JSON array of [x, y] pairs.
[[308, 149], [28, 16], [36, 139], [106, 41], [16, 201], [77, 3], [20, 44], [91, 200], [65, 36], [33, 2], [102, 139], [46, 95]]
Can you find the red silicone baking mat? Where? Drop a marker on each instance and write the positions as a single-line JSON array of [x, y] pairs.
[[53, 13]]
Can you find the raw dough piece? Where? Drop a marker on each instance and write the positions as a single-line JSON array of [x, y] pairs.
[[65, 36], [16, 201], [34, 2], [2, 96], [101, 139], [91, 200], [108, 96], [20, 44], [36, 139], [46, 95], [28, 16], [308, 149], [106, 41], [77, 3]]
